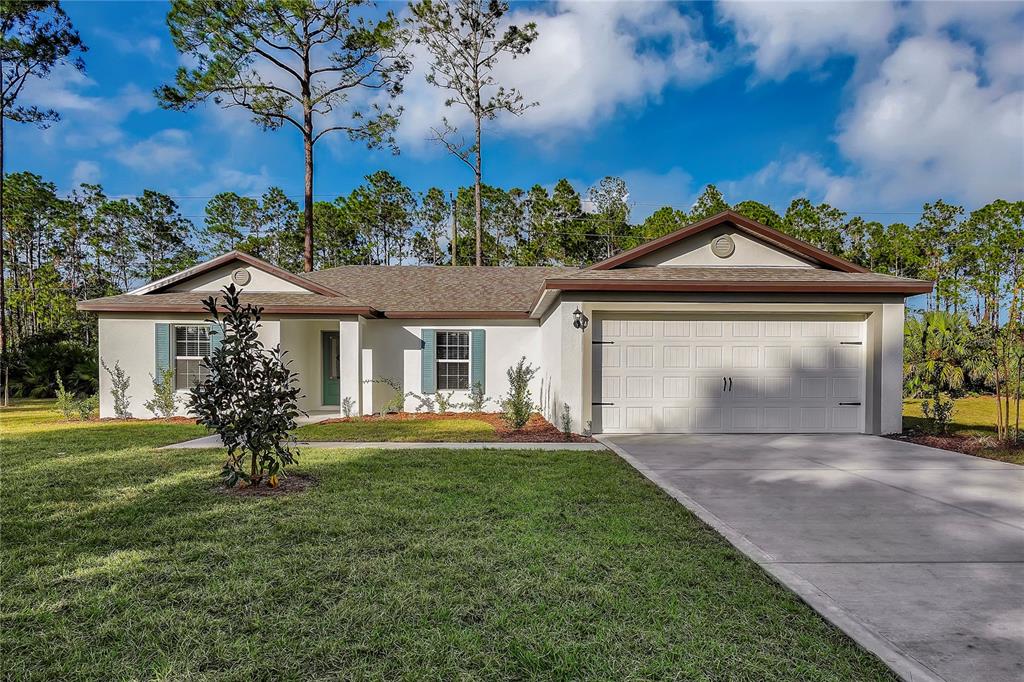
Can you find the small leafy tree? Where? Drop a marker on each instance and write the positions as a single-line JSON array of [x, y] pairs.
[[397, 400], [444, 401], [518, 403], [426, 402], [165, 401], [249, 397], [65, 399], [119, 381], [566, 421], [87, 406], [347, 405], [477, 399]]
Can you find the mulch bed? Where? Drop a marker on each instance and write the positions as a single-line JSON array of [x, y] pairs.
[[968, 445], [292, 484], [537, 430]]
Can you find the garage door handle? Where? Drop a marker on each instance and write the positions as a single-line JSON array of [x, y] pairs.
[[730, 384], [849, 403], [602, 403], [724, 382]]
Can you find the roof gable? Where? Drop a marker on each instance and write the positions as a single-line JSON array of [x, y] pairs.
[[756, 245], [215, 274]]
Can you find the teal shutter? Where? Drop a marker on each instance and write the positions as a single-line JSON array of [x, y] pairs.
[[428, 380], [163, 349], [478, 359], [216, 336]]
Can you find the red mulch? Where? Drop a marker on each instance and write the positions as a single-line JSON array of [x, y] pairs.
[[293, 483], [537, 430], [968, 445]]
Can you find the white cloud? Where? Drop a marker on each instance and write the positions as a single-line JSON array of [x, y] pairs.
[[223, 179], [165, 153], [781, 181], [589, 60], [85, 172], [783, 37], [146, 45], [929, 125]]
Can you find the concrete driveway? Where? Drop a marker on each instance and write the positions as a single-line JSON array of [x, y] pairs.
[[917, 553]]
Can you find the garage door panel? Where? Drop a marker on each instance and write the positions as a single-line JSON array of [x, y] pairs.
[[740, 375]]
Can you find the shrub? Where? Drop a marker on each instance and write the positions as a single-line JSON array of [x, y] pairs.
[[396, 403], [165, 401], [477, 399], [566, 421], [347, 405], [65, 399], [444, 401], [250, 397], [518, 403], [426, 402], [87, 406], [119, 381], [939, 411]]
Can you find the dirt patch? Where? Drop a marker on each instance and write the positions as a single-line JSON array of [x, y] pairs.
[[978, 446], [294, 483], [537, 429]]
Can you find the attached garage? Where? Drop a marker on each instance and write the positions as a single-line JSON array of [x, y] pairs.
[[739, 373]]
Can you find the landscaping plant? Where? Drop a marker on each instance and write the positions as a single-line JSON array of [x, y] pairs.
[[518, 403], [165, 401], [65, 399], [444, 401], [119, 381], [477, 399], [937, 357], [566, 421], [87, 406], [396, 403], [347, 405], [426, 402], [249, 397]]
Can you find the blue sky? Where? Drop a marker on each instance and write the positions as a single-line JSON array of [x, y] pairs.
[[874, 107]]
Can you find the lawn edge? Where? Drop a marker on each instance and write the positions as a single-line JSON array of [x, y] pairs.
[[899, 661], [208, 442]]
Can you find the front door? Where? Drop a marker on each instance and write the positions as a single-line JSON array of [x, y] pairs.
[[331, 365]]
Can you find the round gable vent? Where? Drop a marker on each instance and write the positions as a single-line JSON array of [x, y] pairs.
[[240, 276], [723, 246]]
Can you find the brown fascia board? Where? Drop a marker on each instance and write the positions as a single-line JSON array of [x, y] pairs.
[[257, 263], [913, 287], [745, 224], [101, 307]]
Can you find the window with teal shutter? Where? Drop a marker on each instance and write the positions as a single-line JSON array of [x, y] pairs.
[[478, 359], [428, 383]]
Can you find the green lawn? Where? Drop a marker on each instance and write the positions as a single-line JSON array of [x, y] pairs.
[[401, 430], [972, 417], [120, 561]]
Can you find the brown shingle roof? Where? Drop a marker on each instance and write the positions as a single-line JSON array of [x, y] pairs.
[[665, 278], [426, 288], [191, 301]]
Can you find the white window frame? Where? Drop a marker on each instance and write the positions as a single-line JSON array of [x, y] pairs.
[[175, 357], [468, 361]]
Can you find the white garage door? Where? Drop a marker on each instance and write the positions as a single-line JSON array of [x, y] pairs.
[[728, 375]]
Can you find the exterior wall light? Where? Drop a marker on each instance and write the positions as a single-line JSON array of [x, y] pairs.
[[579, 320]]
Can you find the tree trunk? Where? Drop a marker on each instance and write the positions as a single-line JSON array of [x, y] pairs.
[[307, 138], [478, 172], [3, 291], [455, 237]]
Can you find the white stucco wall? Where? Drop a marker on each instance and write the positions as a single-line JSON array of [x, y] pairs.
[[130, 340], [395, 346], [696, 251]]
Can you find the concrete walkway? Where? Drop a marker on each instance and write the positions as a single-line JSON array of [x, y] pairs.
[[215, 442], [917, 553]]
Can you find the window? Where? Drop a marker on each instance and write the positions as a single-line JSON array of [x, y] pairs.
[[452, 361], [191, 345]]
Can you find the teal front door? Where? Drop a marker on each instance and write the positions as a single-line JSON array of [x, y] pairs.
[[331, 365]]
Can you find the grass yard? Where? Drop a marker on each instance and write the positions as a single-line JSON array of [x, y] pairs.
[[406, 430], [120, 561], [972, 430]]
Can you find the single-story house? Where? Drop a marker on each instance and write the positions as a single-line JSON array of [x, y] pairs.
[[722, 326]]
